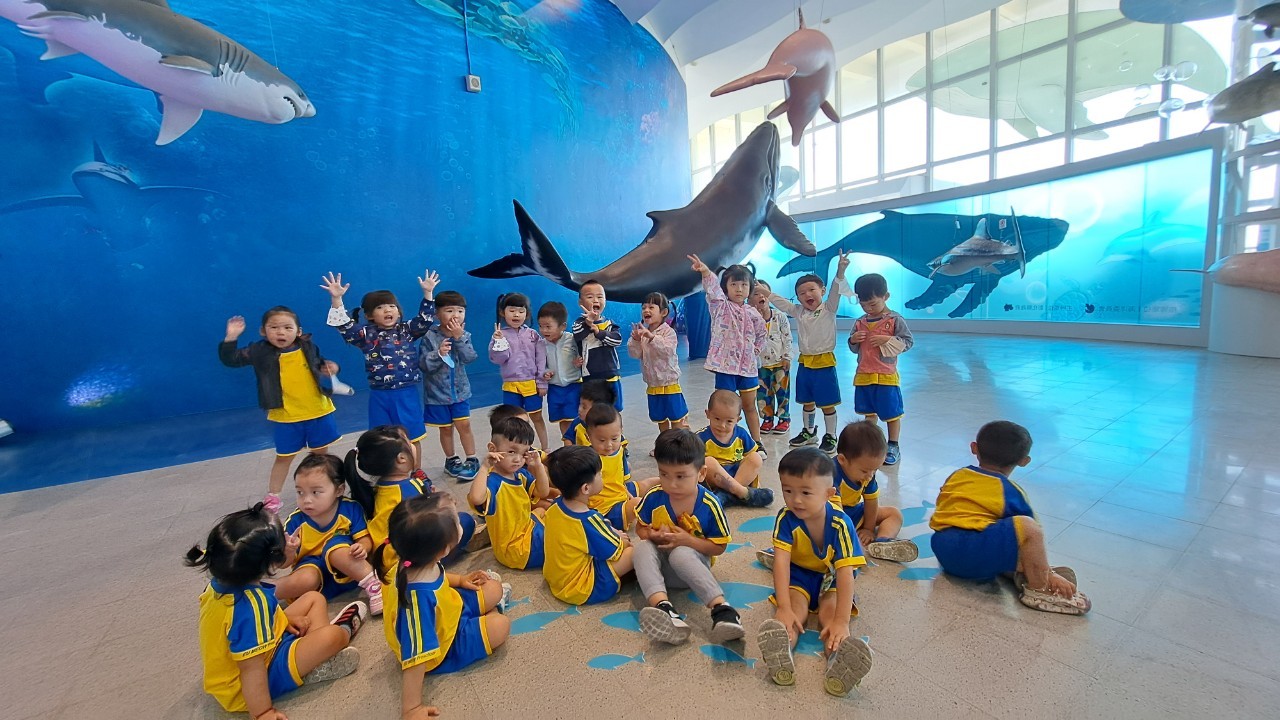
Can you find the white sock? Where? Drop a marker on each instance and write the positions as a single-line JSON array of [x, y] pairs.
[[830, 419]]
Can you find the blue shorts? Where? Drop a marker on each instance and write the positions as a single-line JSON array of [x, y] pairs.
[[282, 672], [810, 584], [855, 513], [818, 386], [562, 401], [468, 523], [312, 434], [883, 401], [332, 582], [606, 583], [537, 555], [529, 403], [736, 383], [439, 416], [402, 406], [978, 554], [668, 407], [470, 643], [619, 515]]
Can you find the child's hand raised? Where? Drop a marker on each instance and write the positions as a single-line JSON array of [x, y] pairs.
[[428, 282], [333, 285], [532, 459], [497, 331], [843, 264], [593, 315], [494, 459], [235, 328], [699, 266], [292, 542]]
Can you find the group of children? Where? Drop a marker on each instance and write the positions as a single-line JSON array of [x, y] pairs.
[[576, 513]]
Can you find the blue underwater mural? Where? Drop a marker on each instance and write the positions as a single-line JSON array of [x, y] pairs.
[[124, 258]]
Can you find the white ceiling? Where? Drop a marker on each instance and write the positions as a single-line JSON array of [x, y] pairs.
[[715, 41]]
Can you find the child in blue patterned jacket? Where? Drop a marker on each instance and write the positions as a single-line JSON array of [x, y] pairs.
[[446, 390]]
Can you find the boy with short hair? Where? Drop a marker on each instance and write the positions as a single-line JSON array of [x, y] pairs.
[[878, 337], [598, 339], [682, 530], [984, 526], [585, 556], [505, 495], [541, 498], [619, 495], [592, 392], [773, 400], [817, 553], [446, 390], [563, 376], [733, 461], [816, 383]]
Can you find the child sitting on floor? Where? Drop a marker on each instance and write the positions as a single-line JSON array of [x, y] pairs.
[[585, 555], [505, 495], [733, 460]]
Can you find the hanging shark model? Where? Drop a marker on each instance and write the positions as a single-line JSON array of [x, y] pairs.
[[722, 224], [1247, 99], [191, 67], [806, 63], [114, 197], [914, 240], [1268, 16], [1256, 270], [982, 253]]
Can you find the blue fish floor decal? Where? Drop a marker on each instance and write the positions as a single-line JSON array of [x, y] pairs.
[[919, 573], [626, 620], [722, 654], [538, 621], [741, 595], [763, 523], [736, 546], [613, 661]]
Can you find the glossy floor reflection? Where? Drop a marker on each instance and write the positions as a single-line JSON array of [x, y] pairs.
[[1156, 472]]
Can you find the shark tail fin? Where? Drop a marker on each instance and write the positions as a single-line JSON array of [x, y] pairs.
[[538, 256], [1017, 239]]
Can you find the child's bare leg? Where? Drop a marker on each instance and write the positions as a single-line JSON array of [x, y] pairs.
[[871, 418], [644, 486], [279, 473], [888, 522], [799, 606], [1033, 560], [491, 593], [417, 454], [341, 559], [496, 627], [446, 441], [753, 414], [626, 563], [465, 436], [540, 426], [322, 640], [299, 582], [564, 426], [895, 427]]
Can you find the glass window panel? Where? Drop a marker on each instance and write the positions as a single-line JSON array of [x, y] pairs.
[[1115, 139], [1188, 122], [701, 150], [858, 84], [904, 134], [1030, 158], [904, 67], [724, 135], [1262, 183], [820, 158], [960, 124], [1031, 97], [1025, 25], [963, 172], [859, 148], [1112, 70], [1096, 13], [749, 119], [789, 156], [1200, 54], [962, 47]]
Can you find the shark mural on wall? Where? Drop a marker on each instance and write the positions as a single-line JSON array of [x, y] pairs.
[[916, 240]]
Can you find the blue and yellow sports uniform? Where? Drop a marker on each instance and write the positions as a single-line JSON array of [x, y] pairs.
[[387, 494], [344, 530], [576, 434], [439, 626], [581, 548], [850, 494], [978, 523], [730, 454], [305, 419], [706, 521], [813, 559], [611, 502], [516, 533], [238, 623]]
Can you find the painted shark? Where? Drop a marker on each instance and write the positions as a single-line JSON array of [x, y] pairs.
[[806, 63], [722, 224], [1268, 16], [1247, 99], [191, 67], [914, 240], [112, 194], [982, 253]]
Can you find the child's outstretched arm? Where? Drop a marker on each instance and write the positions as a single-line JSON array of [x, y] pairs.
[[426, 316], [785, 305], [228, 353], [838, 285], [257, 694], [541, 480], [715, 295], [785, 614], [478, 494], [411, 706], [353, 332]]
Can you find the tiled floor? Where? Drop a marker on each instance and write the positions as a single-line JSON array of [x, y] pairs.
[[1156, 472]]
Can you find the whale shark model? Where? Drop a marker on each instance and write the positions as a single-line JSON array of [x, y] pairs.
[[914, 240], [980, 252], [806, 63], [191, 67], [720, 226], [1247, 99], [112, 194]]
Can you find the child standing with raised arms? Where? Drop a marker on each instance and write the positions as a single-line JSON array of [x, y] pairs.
[[653, 343]]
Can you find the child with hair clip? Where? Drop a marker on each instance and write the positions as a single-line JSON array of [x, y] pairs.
[[290, 373], [653, 343], [737, 336], [436, 622], [253, 650], [390, 349], [521, 356], [327, 540]]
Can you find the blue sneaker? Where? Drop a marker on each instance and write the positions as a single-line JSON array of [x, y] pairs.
[[892, 456], [759, 497], [452, 466], [467, 469]]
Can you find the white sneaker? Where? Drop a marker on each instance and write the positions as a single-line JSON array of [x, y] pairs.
[[664, 624]]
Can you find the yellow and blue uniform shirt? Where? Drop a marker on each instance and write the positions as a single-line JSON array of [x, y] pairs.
[[706, 521], [347, 523], [730, 454], [812, 558], [387, 494], [238, 623], [508, 506], [576, 434], [973, 498], [850, 493], [618, 487], [581, 548], [438, 626], [302, 398]]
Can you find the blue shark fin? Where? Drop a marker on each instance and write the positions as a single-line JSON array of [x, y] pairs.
[[55, 50], [539, 256], [829, 111], [658, 216], [786, 232], [778, 111], [768, 73], [98, 155], [177, 120], [186, 62], [44, 202]]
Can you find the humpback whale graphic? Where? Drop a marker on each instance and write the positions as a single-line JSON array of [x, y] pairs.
[[913, 240], [191, 67], [110, 192], [721, 226]]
